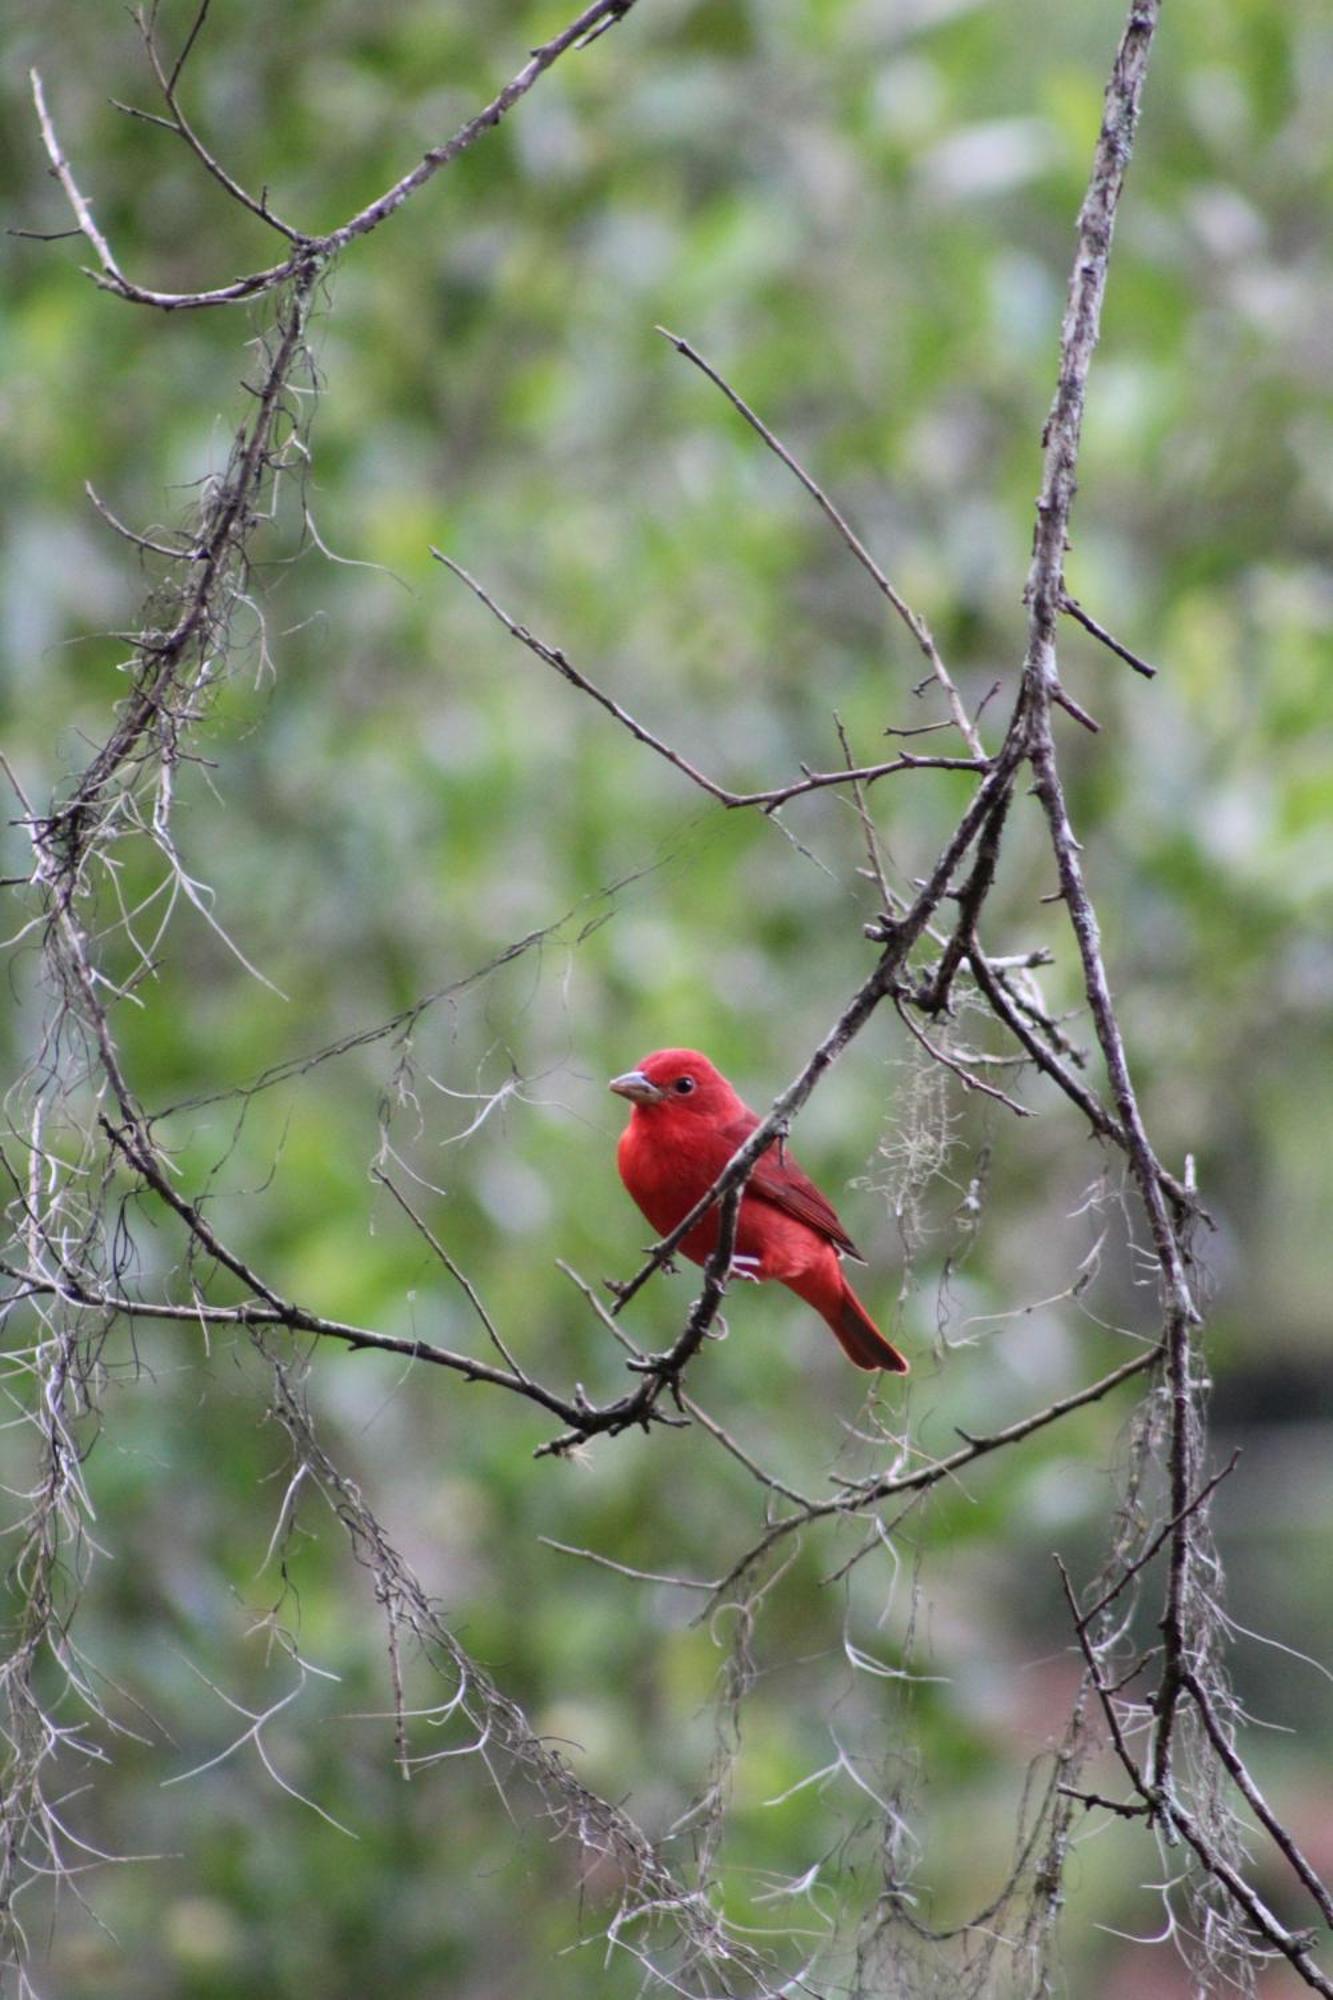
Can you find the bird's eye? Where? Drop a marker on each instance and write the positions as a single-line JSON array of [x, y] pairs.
[[683, 1085]]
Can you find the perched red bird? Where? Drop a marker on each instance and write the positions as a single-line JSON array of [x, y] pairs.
[[686, 1124]]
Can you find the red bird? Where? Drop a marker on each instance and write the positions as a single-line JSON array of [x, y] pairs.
[[686, 1124]]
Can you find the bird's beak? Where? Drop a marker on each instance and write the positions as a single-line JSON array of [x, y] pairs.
[[637, 1087]]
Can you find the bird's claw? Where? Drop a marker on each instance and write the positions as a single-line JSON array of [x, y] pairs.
[[746, 1269]]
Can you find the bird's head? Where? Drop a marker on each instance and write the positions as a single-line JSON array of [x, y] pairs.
[[678, 1081]]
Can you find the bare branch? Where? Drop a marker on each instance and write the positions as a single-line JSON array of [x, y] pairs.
[[168, 83], [1078, 341], [63, 172], [858, 1499], [1073, 609], [1281, 1835], [1071, 707], [1045, 597], [312, 252], [1109, 1711], [1292, 1945], [964, 1075], [970, 902], [778, 795], [1168, 1528], [424, 1230], [915, 624], [63, 837], [664, 1371], [1116, 1806], [139, 541]]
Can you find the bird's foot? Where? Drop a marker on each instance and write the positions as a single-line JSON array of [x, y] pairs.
[[744, 1268]]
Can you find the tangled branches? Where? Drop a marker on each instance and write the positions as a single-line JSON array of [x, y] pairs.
[[85, 1134]]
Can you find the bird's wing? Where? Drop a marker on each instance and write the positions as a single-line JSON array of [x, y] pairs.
[[782, 1183]]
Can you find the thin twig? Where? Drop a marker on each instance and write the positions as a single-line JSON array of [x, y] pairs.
[[1135, 1809], [1292, 1945], [777, 795], [168, 83], [874, 859], [1073, 609], [1280, 1834], [428, 1235], [935, 998], [964, 1075], [625, 1569], [915, 624], [1094, 1671], [1066, 701], [139, 541], [63, 172], [1168, 1528], [856, 1499]]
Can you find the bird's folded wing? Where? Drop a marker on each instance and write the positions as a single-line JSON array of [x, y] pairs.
[[781, 1182]]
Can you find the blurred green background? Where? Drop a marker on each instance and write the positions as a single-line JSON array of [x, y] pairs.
[[862, 211]]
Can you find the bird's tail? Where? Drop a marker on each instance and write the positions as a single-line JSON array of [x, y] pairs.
[[861, 1339], [858, 1336]]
